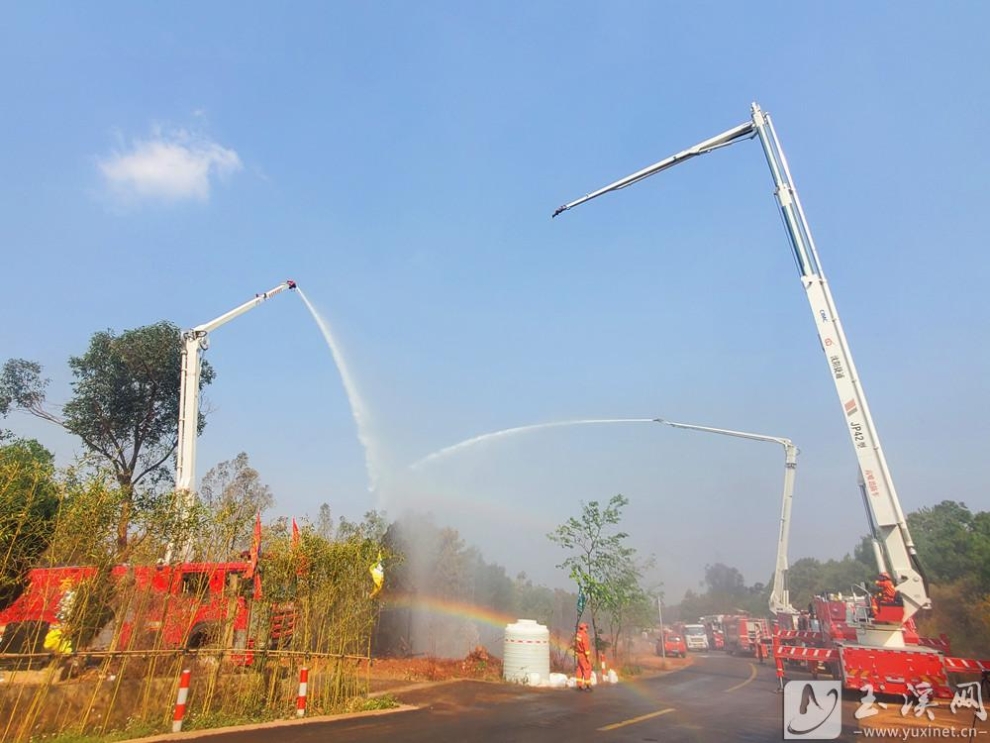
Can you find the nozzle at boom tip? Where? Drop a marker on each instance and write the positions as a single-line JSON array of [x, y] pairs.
[[560, 209]]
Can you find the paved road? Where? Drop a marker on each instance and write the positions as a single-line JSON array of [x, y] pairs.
[[718, 698]]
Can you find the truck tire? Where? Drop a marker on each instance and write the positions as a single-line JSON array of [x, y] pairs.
[[204, 635], [25, 637]]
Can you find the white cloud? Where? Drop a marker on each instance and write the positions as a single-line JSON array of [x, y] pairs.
[[169, 166]]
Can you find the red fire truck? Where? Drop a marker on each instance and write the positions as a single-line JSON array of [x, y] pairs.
[[187, 606], [871, 648], [743, 633]]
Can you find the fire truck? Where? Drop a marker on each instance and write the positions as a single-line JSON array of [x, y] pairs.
[[744, 633], [176, 604], [870, 649], [186, 606], [715, 630]]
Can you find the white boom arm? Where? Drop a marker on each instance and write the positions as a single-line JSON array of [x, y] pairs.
[[780, 598], [882, 502], [193, 342]]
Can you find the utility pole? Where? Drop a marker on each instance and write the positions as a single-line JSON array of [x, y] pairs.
[[663, 643]]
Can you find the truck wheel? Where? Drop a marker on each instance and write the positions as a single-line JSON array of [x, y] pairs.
[[24, 637], [203, 636]]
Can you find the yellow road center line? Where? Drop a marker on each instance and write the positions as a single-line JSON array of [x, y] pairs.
[[752, 675], [634, 720]]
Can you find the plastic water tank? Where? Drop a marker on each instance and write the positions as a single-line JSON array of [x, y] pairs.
[[526, 651]]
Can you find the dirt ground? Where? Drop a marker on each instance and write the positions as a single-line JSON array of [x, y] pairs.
[[482, 665]]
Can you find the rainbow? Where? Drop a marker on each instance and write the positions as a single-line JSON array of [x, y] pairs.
[[496, 620], [483, 615]]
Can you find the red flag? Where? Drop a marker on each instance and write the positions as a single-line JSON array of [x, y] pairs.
[[302, 564], [255, 547]]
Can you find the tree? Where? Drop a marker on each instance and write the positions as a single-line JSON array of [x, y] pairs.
[[21, 387], [601, 564], [945, 540], [125, 404], [627, 605], [727, 593], [724, 581], [808, 577], [28, 508], [232, 494]]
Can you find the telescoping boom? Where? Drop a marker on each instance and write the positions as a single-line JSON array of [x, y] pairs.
[[194, 342], [780, 597], [884, 509]]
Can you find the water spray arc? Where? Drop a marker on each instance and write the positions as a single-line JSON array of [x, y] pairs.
[[359, 411], [448, 450]]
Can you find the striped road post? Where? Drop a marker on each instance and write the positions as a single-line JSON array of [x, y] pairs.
[[180, 701], [301, 699]]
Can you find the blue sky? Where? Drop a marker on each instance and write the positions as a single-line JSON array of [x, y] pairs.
[[401, 162]]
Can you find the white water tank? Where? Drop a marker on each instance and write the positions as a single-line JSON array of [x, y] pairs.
[[526, 651]]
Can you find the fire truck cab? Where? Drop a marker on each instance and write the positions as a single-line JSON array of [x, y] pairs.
[[188, 605]]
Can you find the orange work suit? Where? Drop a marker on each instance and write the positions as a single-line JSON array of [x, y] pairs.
[[887, 591], [582, 649]]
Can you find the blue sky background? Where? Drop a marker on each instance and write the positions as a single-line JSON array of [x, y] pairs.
[[401, 162]]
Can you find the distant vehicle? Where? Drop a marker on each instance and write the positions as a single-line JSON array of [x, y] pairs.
[[673, 646], [716, 639], [695, 637], [743, 633], [715, 631]]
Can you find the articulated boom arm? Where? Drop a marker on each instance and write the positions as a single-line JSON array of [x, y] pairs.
[[882, 502], [194, 341], [780, 599]]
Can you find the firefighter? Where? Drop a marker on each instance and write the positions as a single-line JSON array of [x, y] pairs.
[[886, 590], [582, 649]]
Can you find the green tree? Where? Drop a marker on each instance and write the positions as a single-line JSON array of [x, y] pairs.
[[627, 605], [232, 494], [981, 550], [945, 540], [28, 508], [600, 563], [722, 579], [124, 407], [808, 577], [533, 602]]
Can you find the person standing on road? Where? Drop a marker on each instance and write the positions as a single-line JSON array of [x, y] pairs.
[[582, 649]]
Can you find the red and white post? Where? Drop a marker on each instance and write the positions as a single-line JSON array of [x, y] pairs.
[[180, 701], [301, 699], [777, 660]]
